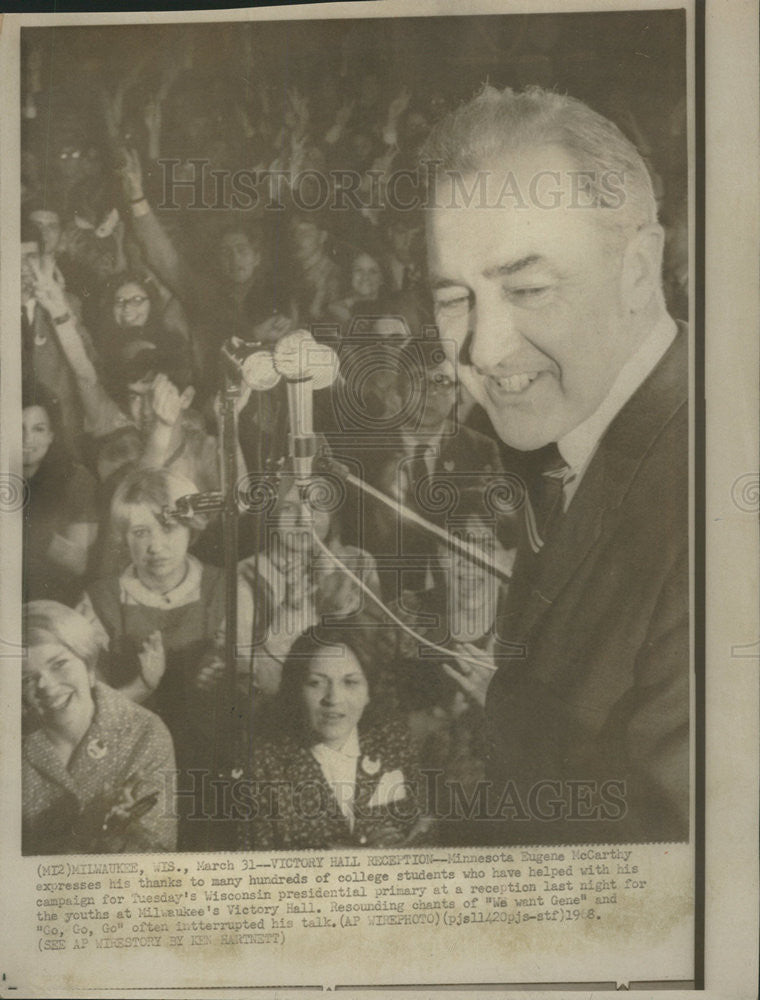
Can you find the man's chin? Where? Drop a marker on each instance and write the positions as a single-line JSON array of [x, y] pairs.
[[522, 435]]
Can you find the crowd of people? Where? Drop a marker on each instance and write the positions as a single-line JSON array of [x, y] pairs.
[[349, 615]]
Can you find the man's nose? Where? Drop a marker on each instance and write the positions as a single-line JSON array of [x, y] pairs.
[[494, 335]]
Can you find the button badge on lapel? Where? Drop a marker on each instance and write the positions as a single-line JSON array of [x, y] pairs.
[[96, 748], [370, 766]]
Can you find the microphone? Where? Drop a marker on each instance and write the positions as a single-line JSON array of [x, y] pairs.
[[306, 365], [295, 357], [253, 363]]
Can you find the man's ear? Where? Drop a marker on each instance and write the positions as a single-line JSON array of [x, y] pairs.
[[187, 396], [642, 267]]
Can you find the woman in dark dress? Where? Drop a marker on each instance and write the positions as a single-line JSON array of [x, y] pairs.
[[336, 770]]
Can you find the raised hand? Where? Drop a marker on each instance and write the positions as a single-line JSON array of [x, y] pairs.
[[47, 290], [129, 171], [344, 113], [152, 115], [299, 105], [111, 105], [399, 104], [167, 401]]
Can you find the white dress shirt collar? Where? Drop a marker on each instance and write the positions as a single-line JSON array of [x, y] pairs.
[[187, 591], [339, 770], [579, 444]]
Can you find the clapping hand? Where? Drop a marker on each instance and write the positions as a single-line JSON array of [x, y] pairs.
[[152, 659], [210, 674], [474, 673]]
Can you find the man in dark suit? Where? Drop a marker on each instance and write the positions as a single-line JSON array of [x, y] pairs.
[[424, 460], [545, 258]]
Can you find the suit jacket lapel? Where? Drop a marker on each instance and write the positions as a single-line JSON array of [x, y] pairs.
[[591, 517]]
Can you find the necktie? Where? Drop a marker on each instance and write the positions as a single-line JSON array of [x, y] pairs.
[[416, 543], [416, 471], [545, 502]]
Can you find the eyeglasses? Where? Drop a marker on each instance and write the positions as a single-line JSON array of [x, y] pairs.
[[440, 383], [133, 300]]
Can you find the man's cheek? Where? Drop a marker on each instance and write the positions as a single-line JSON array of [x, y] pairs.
[[474, 385]]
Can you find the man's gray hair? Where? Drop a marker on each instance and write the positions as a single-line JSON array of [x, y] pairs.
[[498, 122]]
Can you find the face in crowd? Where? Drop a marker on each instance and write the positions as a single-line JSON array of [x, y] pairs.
[[436, 397], [469, 582], [139, 401], [56, 684], [535, 300], [405, 243], [238, 259], [131, 306], [366, 277], [48, 226], [334, 695], [157, 546], [308, 239], [37, 436], [296, 524]]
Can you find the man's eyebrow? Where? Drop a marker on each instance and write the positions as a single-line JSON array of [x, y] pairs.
[[502, 270], [497, 271], [436, 282]]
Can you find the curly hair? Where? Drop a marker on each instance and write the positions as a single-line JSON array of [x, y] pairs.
[[287, 716]]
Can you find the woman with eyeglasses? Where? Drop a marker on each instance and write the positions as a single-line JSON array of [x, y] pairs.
[[132, 312]]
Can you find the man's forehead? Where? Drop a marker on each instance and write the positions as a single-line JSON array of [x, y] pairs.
[[498, 240]]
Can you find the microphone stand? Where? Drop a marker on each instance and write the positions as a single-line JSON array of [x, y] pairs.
[[223, 743]]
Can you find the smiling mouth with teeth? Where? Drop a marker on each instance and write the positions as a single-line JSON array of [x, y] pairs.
[[516, 383]]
